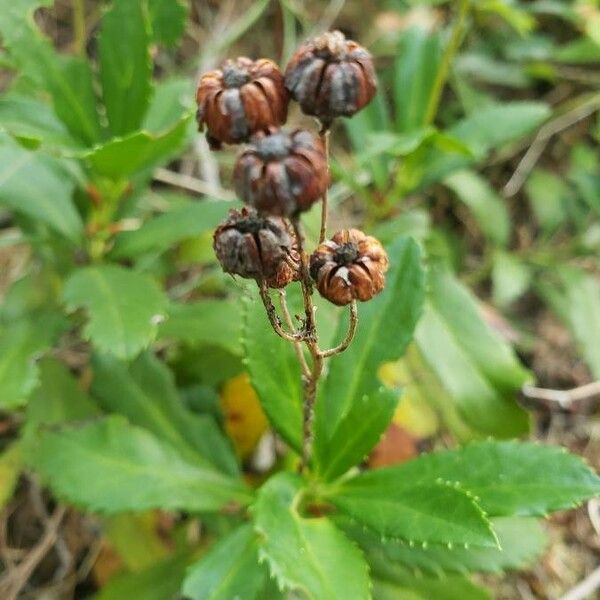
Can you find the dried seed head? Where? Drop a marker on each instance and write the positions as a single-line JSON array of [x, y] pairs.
[[282, 173], [256, 247], [350, 266], [240, 98], [331, 76]]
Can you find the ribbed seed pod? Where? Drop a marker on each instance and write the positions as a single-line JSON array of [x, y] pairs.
[[256, 247], [331, 76], [349, 266], [282, 173], [239, 99]]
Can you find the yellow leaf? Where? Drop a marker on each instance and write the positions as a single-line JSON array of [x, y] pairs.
[[10, 469], [245, 421]]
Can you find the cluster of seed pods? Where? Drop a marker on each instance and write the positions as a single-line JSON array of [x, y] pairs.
[[282, 173]]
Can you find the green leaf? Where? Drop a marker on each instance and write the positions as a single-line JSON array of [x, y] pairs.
[[33, 122], [383, 501], [167, 20], [498, 124], [406, 586], [574, 297], [58, 397], [274, 373], [124, 307], [308, 555], [68, 79], [510, 478], [11, 465], [145, 393], [207, 322], [487, 206], [122, 157], [477, 368], [21, 342], [357, 433], [111, 466], [173, 98], [159, 582], [125, 65], [230, 569], [385, 328], [417, 61], [510, 278], [547, 194], [521, 540], [32, 185], [160, 233]]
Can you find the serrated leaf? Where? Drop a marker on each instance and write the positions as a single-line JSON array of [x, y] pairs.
[[111, 466], [68, 79], [230, 569], [160, 233], [308, 555], [274, 373], [473, 364], [429, 511], [574, 297], [207, 322], [33, 122], [30, 184], [357, 433], [21, 343], [125, 65], [486, 205], [124, 307], [145, 393], [412, 587], [521, 540], [58, 398], [159, 582], [506, 478], [122, 157], [167, 20], [385, 328]]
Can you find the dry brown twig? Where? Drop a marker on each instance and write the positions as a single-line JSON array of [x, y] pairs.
[[563, 397]]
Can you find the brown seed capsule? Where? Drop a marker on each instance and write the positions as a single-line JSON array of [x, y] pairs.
[[350, 266], [331, 76], [240, 98], [282, 173], [257, 247]]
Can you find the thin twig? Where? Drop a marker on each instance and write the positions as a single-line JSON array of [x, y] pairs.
[[297, 345], [546, 132], [349, 336], [562, 397], [324, 135], [191, 184], [274, 318], [12, 584], [444, 69], [79, 27], [586, 588]]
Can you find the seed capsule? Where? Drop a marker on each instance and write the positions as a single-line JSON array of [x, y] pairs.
[[331, 76], [350, 266], [240, 98], [282, 173], [255, 247]]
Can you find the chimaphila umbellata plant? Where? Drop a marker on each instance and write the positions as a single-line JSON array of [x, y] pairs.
[[317, 525]]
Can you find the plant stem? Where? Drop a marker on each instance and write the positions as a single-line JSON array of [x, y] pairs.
[[274, 318], [324, 135], [79, 29], [349, 336], [297, 345], [444, 69]]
